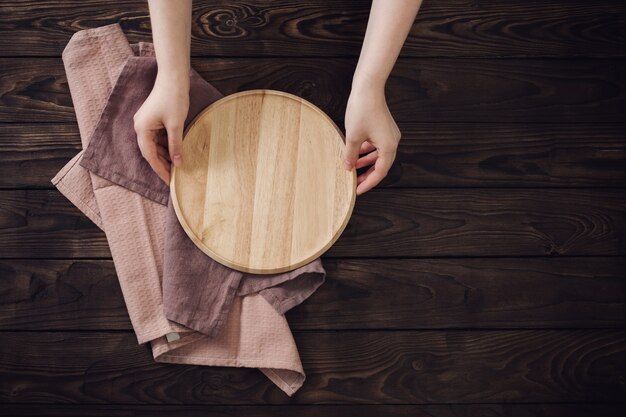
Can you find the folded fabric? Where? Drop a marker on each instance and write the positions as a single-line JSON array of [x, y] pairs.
[[139, 225], [197, 290]]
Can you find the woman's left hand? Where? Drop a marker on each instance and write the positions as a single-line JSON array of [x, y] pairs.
[[369, 128]]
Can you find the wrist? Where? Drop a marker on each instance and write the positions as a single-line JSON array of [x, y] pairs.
[[173, 77], [364, 81]]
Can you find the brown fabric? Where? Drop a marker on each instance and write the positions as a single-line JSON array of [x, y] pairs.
[[197, 291], [256, 334]]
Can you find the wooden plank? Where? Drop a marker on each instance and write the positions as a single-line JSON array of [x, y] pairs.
[[547, 28], [429, 155], [31, 154], [399, 367], [426, 90], [427, 294], [66, 295], [385, 223], [32, 223], [330, 410], [509, 155]]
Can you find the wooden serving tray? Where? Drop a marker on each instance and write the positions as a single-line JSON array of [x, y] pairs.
[[262, 187]]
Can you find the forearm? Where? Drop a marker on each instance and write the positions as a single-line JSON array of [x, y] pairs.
[[171, 35], [388, 26]]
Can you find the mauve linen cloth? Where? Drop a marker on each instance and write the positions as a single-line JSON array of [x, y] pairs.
[[190, 308], [197, 290]]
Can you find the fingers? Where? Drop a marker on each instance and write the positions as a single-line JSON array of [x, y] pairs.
[[163, 152], [164, 156], [175, 142], [366, 146], [146, 139], [375, 174], [366, 160]]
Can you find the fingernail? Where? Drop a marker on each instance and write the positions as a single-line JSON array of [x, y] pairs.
[[347, 164], [176, 159]]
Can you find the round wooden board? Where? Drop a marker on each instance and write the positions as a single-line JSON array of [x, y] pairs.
[[262, 188]]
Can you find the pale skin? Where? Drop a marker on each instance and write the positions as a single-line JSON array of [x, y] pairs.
[[372, 135]]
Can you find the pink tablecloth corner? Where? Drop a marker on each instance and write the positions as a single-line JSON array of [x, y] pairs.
[[255, 333]]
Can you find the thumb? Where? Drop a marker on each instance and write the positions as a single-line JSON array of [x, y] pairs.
[[351, 151], [175, 142]]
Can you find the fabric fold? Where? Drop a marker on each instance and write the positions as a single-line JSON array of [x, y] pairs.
[[198, 292], [137, 221]]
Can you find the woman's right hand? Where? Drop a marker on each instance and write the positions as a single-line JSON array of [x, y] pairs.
[[370, 129], [159, 124]]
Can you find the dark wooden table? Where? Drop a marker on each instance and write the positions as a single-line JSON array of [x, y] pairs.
[[484, 276]]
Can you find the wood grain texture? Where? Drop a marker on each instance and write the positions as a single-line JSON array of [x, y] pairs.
[[429, 155], [392, 367], [483, 276], [425, 90], [546, 28], [482, 293], [53, 219], [328, 410], [262, 188], [385, 223]]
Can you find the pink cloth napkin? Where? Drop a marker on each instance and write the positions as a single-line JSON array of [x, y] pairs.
[[197, 290], [190, 308]]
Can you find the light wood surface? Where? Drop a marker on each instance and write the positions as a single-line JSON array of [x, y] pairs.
[[262, 188]]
